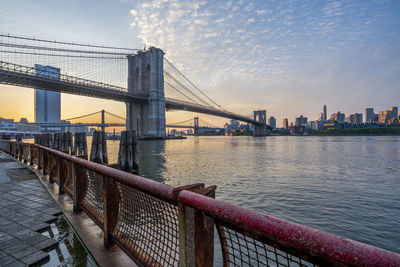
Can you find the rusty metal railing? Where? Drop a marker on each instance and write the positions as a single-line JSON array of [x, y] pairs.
[[158, 225]]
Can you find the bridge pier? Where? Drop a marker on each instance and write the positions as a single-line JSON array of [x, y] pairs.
[[260, 128], [146, 77]]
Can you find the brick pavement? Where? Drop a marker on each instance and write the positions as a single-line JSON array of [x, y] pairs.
[[26, 210]]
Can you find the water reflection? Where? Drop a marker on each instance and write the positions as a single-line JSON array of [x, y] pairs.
[[151, 156], [70, 251]]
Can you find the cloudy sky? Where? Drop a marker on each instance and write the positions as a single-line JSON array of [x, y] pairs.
[[289, 57]]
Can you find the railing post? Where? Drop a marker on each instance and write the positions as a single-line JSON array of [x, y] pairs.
[[60, 174], [196, 234], [31, 157], [50, 170], [111, 211], [20, 152], [45, 162], [75, 187]]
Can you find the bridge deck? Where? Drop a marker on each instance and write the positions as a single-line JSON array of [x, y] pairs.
[[18, 75]]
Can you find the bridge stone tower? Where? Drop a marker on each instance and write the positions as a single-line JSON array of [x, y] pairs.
[[260, 129], [146, 77], [196, 126]]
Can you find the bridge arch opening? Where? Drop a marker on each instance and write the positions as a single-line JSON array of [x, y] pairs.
[[147, 79]]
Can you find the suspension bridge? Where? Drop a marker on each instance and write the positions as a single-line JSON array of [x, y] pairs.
[[98, 119], [144, 79]]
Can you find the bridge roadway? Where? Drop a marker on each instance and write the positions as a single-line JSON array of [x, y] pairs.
[[19, 75]]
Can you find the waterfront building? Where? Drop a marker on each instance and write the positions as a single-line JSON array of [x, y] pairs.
[[395, 112], [390, 114], [321, 116], [233, 126], [312, 125], [285, 123], [325, 112], [28, 127], [301, 121], [272, 122], [338, 116], [47, 103], [355, 118], [369, 115]]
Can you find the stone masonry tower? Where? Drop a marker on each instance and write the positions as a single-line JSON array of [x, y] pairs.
[[261, 117], [146, 77]]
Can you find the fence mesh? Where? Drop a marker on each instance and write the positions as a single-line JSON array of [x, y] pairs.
[[240, 249], [148, 228], [66, 166], [93, 198]]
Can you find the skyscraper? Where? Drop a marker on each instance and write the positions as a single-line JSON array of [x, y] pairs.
[[272, 122], [369, 114], [395, 112], [47, 103], [338, 116], [325, 117], [301, 121], [285, 123]]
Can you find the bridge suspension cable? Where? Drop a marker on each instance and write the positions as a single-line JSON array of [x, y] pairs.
[[83, 116], [67, 43], [114, 115], [181, 122], [192, 84]]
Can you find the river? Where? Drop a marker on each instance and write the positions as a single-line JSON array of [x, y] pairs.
[[346, 185]]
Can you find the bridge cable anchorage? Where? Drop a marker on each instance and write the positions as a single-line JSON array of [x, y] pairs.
[[193, 84], [68, 43], [187, 89]]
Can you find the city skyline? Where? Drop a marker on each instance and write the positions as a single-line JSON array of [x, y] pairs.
[[339, 54]]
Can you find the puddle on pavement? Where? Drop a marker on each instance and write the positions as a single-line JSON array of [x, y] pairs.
[[70, 251]]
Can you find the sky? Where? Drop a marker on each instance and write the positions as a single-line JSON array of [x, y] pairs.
[[288, 57]]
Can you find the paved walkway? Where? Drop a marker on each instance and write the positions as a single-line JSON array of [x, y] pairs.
[[26, 210]]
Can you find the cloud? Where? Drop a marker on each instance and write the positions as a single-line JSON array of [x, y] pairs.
[[261, 44]]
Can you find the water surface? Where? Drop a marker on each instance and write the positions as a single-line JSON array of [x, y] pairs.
[[346, 185]]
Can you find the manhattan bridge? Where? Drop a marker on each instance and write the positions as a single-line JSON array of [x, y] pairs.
[[144, 79]]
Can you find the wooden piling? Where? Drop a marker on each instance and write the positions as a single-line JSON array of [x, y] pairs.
[[127, 155], [80, 145], [98, 152]]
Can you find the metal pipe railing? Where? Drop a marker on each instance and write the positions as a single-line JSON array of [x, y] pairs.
[[156, 224], [314, 246]]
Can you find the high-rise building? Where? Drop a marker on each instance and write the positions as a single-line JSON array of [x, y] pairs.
[[369, 115], [338, 116], [391, 113], [321, 116], [355, 118], [395, 112], [301, 121], [325, 117], [285, 123], [359, 118], [47, 103], [272, 122]]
